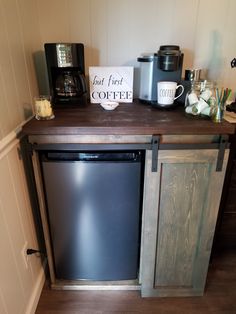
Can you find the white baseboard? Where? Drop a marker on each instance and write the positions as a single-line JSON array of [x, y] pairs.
[[36, 292]]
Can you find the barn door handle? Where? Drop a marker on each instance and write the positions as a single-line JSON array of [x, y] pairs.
[[155, 148], [223, 144]]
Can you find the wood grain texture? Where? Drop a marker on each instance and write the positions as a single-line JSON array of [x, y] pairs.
[[182, 202], [149, 223], [183, 219], [43, 214], [134, 118]]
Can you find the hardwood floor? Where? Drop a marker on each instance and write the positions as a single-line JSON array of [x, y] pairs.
[[219, 297]]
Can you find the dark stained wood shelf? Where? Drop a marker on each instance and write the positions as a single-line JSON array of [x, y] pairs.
[[128, 119]]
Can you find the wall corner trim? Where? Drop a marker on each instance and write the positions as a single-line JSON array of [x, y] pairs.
[[7, 143], [36, 291]]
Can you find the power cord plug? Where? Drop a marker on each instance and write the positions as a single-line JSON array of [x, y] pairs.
[[33, 251]]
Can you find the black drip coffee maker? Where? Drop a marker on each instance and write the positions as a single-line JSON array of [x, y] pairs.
[[65, 64]]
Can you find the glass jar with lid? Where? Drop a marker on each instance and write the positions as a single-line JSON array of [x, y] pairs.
[[200, 99]]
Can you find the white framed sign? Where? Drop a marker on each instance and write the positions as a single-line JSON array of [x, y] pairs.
[[111, 83]]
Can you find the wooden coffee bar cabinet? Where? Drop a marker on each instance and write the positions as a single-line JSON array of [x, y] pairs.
[[185, 164]]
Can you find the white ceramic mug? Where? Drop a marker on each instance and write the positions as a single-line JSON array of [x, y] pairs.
[[166, 92]]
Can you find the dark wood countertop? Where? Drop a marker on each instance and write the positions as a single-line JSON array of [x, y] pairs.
[[127, 119]]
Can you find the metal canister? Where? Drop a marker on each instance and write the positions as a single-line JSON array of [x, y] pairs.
[[192, 75]]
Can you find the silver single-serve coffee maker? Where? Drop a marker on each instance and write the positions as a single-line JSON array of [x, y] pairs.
[[165, 65]]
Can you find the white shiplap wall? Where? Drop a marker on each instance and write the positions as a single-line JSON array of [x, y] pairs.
[[19, 38], [20, 285], [117, 32]]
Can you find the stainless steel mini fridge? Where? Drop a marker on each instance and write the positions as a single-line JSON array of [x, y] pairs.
[[94, 209]]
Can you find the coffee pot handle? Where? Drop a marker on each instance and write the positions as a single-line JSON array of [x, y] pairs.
[[82, 82]]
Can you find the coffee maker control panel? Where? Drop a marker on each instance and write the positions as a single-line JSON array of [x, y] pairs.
[[64, 55], [65, 64]]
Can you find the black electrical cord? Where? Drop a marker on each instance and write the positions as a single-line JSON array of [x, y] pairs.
[[33, 251]]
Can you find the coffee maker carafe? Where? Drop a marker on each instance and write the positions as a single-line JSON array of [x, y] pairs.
[[65, 64], [165, 65]]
